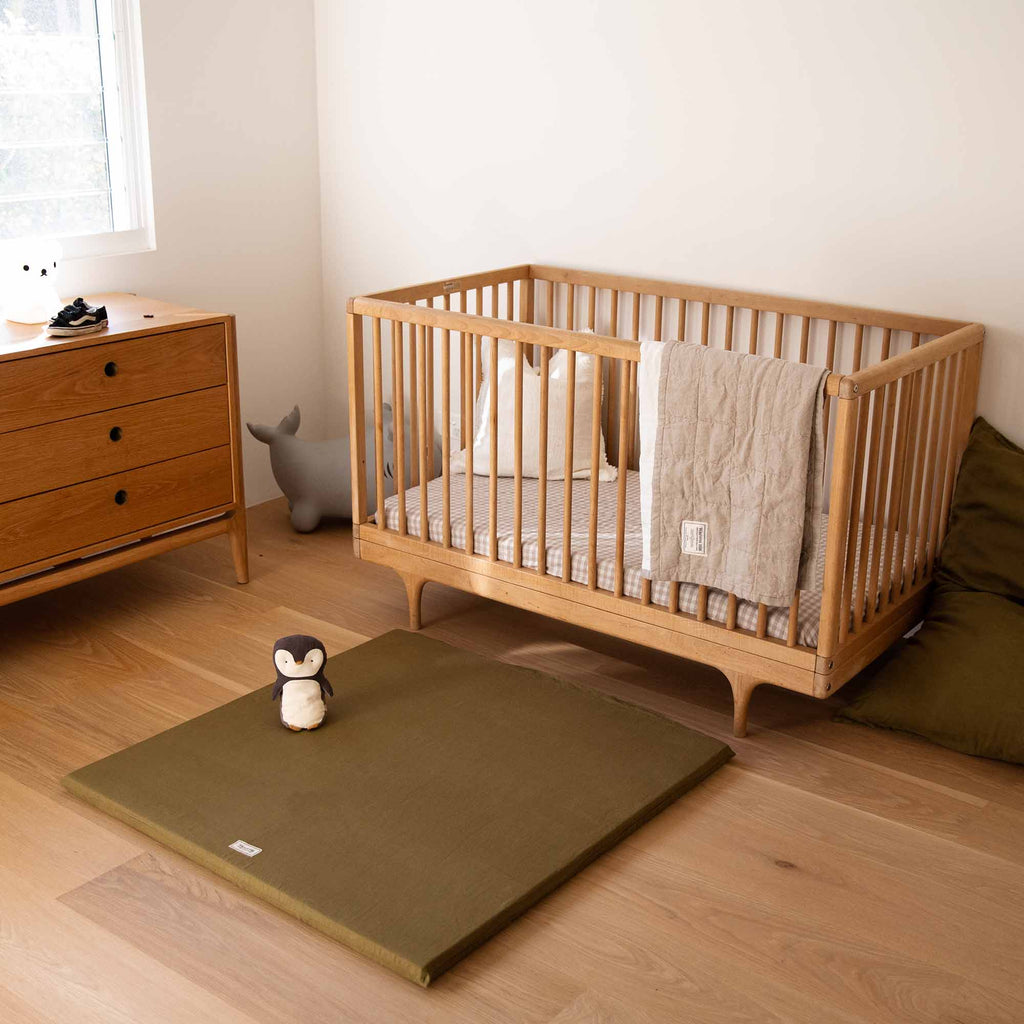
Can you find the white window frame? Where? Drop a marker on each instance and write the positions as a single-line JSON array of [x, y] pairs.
[[124, 106]]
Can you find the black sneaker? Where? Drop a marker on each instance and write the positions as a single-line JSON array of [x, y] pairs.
[[78, 318]]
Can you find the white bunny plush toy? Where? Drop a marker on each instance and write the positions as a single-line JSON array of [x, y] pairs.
[[28, 279]]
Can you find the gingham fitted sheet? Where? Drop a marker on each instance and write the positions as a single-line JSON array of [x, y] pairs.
[[746, 611]]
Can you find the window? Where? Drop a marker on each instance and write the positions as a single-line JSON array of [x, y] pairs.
[[74, 153]]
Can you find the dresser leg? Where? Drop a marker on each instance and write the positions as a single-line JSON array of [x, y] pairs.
[[239, 546]]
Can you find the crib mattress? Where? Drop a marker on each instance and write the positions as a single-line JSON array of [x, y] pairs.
[[746, 611]]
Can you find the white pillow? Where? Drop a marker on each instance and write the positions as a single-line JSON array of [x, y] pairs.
[[558, 389]]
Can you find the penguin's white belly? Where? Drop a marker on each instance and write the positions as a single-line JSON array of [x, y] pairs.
[[301, 704]]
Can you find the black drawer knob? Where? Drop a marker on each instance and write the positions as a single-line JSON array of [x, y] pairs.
[[116, 433], [121, 497], [110, 369]]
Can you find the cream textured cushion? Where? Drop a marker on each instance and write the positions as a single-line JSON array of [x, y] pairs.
[[558, 390]]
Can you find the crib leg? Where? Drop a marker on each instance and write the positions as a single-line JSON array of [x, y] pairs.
[[414, 592], [742, 687]]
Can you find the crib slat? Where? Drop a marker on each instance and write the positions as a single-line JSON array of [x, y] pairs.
[[446, 432], [830, 362], [950, 468], [916, 391], [857, 480], [570, 433], [478, 341], [762, 620], [705, 322], [510, 300], [378, 421], [517, 526], [915, 339], [886, 343], [755, 316], [551, 303], [780, 326], [464, 429], [492, 492], [920, 472], [681, 331], [414, 412], [830, 347], [900, 452], [878, 517], [429, 369], [620, 509], [527, 300], [702, 603], [570, 307], [805, 335], [398, 393], [634, 424], [858, 347], [730, 316], [592, 307], [542, 465], [606, 409], [673, 596], [867, 519], [794, 620], [938, 493], [615, 369], [421, 433], [645, 591], [659, 308], [595, 457], [730, 611], [468, 388], [526, 309], [941, 374]]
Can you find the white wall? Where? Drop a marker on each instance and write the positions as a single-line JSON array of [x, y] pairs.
[[231, 88], [867, 153]]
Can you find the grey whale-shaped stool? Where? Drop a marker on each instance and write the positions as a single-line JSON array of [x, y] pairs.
[[315, 476]]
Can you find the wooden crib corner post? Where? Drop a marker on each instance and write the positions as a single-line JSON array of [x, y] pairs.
[[414, 592], [356, 423], [844, 450], [743, 685]]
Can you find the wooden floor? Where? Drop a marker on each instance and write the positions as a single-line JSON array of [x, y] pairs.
[[829, 873]]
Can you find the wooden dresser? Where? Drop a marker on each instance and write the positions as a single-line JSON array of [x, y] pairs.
[[118, 445]]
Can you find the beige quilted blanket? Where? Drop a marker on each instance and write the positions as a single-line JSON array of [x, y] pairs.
[[731, 464]]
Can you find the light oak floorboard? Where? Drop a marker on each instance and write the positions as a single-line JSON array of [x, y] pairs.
[[829, 873]]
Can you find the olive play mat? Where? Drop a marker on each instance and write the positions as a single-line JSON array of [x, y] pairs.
[[443, 795]]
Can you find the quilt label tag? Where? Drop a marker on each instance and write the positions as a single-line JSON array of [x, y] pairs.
[[695, 538], [247, 848]]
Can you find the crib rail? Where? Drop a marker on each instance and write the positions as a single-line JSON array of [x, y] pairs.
[[902, 426], [898, 410]]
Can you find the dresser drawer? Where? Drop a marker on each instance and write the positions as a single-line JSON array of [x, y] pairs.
[[58, 386], [38, 459], [48, 525]]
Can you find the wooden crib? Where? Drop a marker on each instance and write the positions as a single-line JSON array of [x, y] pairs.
[[900, 403]]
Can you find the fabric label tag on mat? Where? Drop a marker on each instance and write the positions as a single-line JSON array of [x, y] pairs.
[[695, 538], [247, 848]]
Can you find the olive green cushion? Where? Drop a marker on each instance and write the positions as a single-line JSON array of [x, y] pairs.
[[984, 548], [444, 794], [959, 681]]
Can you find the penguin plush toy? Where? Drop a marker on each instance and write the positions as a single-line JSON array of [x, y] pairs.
[[301, 683]]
